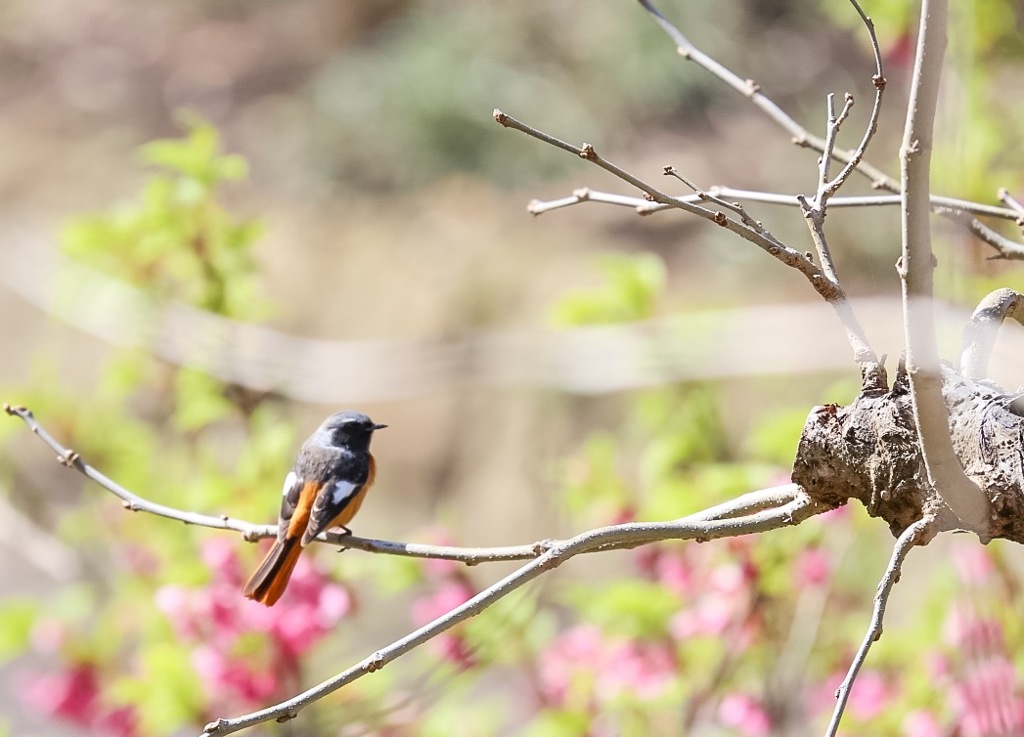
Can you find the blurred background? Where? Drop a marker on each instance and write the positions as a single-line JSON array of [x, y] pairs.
[[222, 221]]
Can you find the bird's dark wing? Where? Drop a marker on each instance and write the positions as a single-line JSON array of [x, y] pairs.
[[290, 494], [339, 490]]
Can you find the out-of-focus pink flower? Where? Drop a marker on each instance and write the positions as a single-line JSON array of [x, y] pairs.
[[611, 667], [745, 713], [453, 648], [986, 698], [729, 578], [922, 723], [813, 567], [220, 554], [839, 515], [446, 597], [69, 695], [710, 616], [224, 677], [121, 722], [213, 618], [963, 629], [74, 696], [579, 651], [868, 696], [449, 594], [937, 665], [973, 563], [643, 669], [48, 635]]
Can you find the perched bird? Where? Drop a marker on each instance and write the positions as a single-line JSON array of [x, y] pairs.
[[324, 489]]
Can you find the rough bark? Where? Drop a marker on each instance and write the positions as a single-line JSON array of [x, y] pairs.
[[870, 451]]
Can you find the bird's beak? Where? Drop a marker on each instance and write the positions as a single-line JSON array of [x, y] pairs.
[[379, 427]]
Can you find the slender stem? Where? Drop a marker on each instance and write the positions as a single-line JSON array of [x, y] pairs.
[[745, 504], [801, 137], [618, 536], [646, 207], [916, 266], [917, 534]]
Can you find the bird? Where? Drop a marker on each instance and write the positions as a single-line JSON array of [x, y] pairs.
[[325, 488]]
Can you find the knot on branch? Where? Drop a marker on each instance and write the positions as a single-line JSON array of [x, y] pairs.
[[869, 450]]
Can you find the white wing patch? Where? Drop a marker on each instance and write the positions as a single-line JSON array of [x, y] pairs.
[[341, 491], [289, 482]]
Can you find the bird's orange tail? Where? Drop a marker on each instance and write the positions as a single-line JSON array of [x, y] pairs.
[[269, 581]]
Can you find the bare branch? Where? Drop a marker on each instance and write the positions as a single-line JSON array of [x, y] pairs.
[[801, 137], [606, 538], [746, 504], [1005, 248], [981, 330], [946, 205], [916, 265], [919, 533], [1010, 201]]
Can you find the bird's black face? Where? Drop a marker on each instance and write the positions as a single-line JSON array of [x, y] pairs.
[[350, 429]]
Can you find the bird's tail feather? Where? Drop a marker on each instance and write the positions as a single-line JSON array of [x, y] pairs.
[[269, 581]]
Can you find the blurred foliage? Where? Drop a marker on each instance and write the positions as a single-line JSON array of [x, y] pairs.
[[669, 639], [178, 241], [417, 103]]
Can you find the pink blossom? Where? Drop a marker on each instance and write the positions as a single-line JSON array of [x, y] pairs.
[[449, 595], [869, 695], [986, 700], [224, 677], [973, 563], [837, 516], [709, 617], [70, 695], [121, 722], [437, 568], [49, 635], [74, 696], [937, 665], [646, 670], [745, 713], [333, 603], [922, 723], [965, 630], [453, 648], [579, 650], [813, 567], [212, 619], [675, 573], [220, 554], [729, 578], [611, 667]]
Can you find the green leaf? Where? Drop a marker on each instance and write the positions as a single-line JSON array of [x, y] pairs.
[[632, 285], [551, 723], [632, 608], [17, 617], [200, 400]]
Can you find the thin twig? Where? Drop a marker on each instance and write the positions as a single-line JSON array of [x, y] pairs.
[[646, 207], [918, 533], [768, 243], [981, 330], [618, 536], [1010, 201], [749, 230], [745, 504], [916, 267], [801, 137]]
